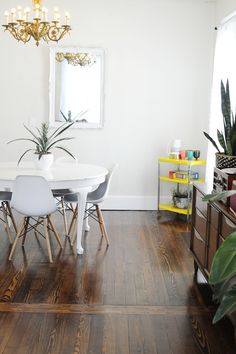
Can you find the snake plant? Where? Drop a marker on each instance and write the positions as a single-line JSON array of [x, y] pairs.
[[44, 141], [227, 137]]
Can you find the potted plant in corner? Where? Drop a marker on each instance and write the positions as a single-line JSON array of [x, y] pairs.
[[227, 138], [223, 269], [44, 142]]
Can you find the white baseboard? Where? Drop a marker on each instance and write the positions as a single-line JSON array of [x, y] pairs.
[[130, 202]]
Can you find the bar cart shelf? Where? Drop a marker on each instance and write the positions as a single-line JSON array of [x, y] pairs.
[[187, 164]]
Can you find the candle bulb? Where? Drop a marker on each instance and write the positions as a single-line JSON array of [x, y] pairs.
[[13, 14], [45, 14], [19, 8], [55, 13], [27, 12], [67, 15], [6, 14], [37, 7]]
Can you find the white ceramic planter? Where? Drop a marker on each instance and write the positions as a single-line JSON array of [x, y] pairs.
[[45, 162]]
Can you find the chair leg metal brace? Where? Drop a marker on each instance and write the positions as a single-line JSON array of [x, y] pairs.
[[22, 232], [90, 212]]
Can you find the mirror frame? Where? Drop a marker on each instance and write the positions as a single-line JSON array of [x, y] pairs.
[[52, 86]]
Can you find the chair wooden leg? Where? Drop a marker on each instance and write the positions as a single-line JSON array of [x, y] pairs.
[[4, 211], [25, 230], [11, 216], [54, 231], [64, 216], [73, 219], [73, 231], [47, 239], [102, 224], [73, 235], [72, 228], [21, 228]]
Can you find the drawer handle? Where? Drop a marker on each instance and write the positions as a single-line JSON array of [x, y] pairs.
[[199, 214], [198, 236], [230, 223]]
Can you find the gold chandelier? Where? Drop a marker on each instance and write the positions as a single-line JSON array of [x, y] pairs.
[[82, 59], [20, 26]]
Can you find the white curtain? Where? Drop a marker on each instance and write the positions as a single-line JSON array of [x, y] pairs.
[[224, 68]]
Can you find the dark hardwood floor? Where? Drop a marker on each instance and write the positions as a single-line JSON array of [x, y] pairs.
[[137, 296]]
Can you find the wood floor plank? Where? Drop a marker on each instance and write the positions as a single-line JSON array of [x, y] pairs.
[[105, 309], [136, 296]]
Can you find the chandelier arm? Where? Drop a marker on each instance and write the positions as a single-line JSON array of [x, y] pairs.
[[53, 33], [13, 32], [65, 31]]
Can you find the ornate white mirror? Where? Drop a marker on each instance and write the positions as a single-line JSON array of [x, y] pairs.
[[76, 86]]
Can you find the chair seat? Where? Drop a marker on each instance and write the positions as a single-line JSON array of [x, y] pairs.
[[60, 192], [5, 196], [73, 198]]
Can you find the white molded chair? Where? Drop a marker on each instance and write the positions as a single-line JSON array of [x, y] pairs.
[[32, 197], [94, 198], [5, 198]]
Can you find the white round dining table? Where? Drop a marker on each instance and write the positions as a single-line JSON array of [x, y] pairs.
[[81, 178]]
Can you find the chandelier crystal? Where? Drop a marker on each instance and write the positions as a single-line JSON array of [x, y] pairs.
[[23, 26]]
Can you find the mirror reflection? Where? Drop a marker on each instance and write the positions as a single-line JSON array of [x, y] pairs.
[[76, 87]]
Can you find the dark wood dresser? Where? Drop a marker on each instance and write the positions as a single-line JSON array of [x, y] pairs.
[[211, 224]]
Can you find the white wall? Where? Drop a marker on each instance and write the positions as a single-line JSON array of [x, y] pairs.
[[157, 77], [224, 8]]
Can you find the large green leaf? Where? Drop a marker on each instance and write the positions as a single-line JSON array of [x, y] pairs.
[[233, 136], [227, 305], [224, 262], [57, 141], [20, 139], [222, 142], [65, 150], [214, 197], [60, 130], [24, 155], [212, 141], [225, 104], [228, 141], [221, 288], [32, 133]]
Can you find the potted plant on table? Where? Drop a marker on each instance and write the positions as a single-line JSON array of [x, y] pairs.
[[44, 141], [227, 138], [181, 198]]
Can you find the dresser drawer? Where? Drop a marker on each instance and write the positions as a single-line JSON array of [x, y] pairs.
[[210, 259], [202, 206], [213, 238], [199, 247], [200, 224], [214, 217], [227, 227]]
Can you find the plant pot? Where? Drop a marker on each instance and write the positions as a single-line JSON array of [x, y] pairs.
[[181, 202], [225, 161], [45, 162]]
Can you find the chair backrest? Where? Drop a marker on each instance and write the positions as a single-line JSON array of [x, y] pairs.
[[101, 192], [32, 196]]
